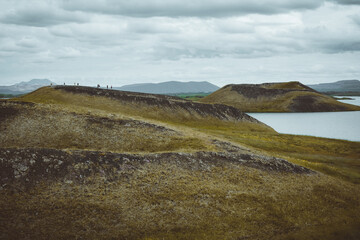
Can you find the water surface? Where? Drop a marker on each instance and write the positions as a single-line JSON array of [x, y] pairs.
[[356, 100], [339, 125]]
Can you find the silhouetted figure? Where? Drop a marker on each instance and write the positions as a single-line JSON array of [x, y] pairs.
[[111, 86], [107, 86], [64, 84], [78, 84]]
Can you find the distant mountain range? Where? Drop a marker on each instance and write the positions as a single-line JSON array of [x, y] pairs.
[[25, 87], [172, 87], [342, 86]]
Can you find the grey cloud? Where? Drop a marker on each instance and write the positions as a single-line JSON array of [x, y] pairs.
[[13, 48], [347, 2], [98, 35], [188, 8], [28, 43], [234, 27], [150, 27], [343, 46], [67, 52], [40, 16], [356, 19], [174, 54]]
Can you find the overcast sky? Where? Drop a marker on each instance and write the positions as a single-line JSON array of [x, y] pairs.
[[120, 42]]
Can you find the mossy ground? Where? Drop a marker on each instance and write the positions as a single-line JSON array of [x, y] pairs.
[[167, 201], [338, 158], [164, 201]]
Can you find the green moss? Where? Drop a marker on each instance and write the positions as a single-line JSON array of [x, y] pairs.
[[337, 158], [166, 201]]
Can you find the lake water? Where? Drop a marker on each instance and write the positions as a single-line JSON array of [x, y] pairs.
[[339, 125], [356, 101]]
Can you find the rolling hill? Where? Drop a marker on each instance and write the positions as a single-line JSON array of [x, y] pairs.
[[89, 163], [276, 97], [172, 87]]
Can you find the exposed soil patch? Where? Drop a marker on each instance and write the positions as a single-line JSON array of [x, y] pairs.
[[110, 123], [258, 90], [10, 109], [310, 104], [7, 111]]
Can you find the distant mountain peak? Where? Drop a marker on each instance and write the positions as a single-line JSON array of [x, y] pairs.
[[25, 87], [37, 81]]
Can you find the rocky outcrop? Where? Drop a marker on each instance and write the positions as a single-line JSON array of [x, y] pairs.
[[29, 166], [265, 89]]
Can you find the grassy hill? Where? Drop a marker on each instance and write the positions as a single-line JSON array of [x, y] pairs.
[[276, 97], [80, 162]]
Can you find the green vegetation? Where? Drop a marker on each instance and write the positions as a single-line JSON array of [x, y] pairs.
[[192, 96], [337, 158], [9, 95]]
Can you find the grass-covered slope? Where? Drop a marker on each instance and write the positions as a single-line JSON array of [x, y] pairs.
[[36, 126], [84, 163], [150, 106], [276, 97]]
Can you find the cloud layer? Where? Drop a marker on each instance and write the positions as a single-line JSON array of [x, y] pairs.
[[103, 40], [189, 8]]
